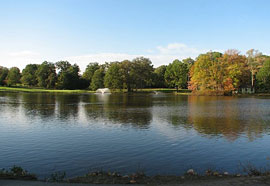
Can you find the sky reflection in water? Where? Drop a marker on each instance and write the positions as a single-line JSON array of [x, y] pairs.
[[162, 133]]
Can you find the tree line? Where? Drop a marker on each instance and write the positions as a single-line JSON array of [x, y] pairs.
[[212, 72]]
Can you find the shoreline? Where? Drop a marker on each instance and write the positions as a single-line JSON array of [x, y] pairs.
[[230, 181], [41, 90], [211, 177], [183, 92]]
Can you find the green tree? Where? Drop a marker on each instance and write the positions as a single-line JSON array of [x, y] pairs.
[[263, 76], [68, 76], [189, 62], [176, 74], [3, 74], [90, 70], [62, 66], [98, 79], [141, 72], [29, 75], [46, 75], [13, 76], [125, 73], [112, 78], [159, 77]]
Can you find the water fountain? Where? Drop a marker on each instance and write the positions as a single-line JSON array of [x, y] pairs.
[[103, 91]]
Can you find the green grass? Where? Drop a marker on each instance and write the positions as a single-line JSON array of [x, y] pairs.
[[146, 90], [23, 89], [156, 89], [164, 90]]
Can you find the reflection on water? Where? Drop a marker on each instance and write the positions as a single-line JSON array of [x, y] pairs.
[[52, 132], [124, 110], [229, 117]]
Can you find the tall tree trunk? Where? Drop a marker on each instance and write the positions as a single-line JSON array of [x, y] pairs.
[[252, 79]]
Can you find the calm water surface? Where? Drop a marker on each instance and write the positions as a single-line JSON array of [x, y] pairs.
[[160, 134]]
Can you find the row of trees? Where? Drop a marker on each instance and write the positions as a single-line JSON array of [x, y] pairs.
[[211, 72], [218, 73], [130, 75]]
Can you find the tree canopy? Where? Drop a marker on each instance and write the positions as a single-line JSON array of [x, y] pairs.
[[176, 74], [113, 78], [13, 76], [29, 76], [46, 75], [3, 74], [210, 73], [263, 76], [68, 76], [90, 70], [98, 79]]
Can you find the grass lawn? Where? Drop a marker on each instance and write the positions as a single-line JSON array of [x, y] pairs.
[[28, 89], [19, 89]]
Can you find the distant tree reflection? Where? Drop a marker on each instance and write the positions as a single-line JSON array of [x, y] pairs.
[[39, 105], [227, 116], [120, 109]]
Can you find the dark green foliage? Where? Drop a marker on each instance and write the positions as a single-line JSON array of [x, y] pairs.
[[113, 78], [176, 74], [29, 76], [90, 70], [263, 76], [125, 69], [62, 65], [46, 75], [98, 79], [13, 76], [159, 77], [189, 62], [3, 74], [141, 72], [83, 83], [68, 76]]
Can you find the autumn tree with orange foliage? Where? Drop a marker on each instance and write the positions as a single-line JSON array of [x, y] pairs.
[[217, 74]]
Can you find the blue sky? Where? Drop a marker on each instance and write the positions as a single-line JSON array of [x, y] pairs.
[[84, 31]]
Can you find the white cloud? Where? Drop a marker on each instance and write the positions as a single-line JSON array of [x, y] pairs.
[[179, 49], [19, 58], [25, 53]]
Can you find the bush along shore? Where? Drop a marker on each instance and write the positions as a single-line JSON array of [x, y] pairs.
[[107, 177]]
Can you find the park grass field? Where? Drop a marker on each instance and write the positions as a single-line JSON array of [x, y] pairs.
[[23, 89], [40, 90]]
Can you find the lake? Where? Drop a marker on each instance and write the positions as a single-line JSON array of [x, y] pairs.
[[155, 133]]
